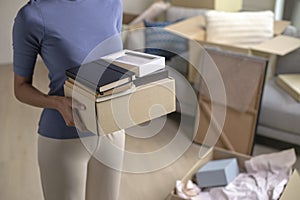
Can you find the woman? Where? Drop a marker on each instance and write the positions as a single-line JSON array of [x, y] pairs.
[[63, 33]]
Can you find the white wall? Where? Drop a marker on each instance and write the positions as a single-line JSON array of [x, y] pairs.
[[296, 14], [277, 6], [258, 4], [8, 11]]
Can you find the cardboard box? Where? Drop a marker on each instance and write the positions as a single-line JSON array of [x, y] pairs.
[[147, 102], [243, 78], [128, 17], [193, 29], [217, 173], [290, 192]]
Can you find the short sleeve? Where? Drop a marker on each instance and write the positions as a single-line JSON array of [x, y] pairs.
[[27, 37]]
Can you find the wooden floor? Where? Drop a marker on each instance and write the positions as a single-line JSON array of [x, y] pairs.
[[19, 173]]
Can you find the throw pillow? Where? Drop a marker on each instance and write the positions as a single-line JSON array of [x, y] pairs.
[[239, 28], [161, 42]]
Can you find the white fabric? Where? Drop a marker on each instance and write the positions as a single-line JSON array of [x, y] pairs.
[[274, 162], [275, 167], [181, 189], [239, 28], [257, 186]]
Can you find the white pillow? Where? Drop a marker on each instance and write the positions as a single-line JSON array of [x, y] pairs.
[[239, 28]]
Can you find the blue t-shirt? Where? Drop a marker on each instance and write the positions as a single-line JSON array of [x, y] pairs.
[[63, 33]]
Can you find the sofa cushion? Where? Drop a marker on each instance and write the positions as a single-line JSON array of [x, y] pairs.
[[239, 28], [161, 42], [279, 110], [289, 63]]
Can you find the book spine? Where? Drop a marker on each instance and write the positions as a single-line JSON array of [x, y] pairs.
[[71, 83], [115, 67], [70, 75], [75, 91], [83, 81], [87, 83]]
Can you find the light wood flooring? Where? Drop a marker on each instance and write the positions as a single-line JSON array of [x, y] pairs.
[[19, 173]]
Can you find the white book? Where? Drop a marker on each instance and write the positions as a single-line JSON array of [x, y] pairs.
[[138, 62]]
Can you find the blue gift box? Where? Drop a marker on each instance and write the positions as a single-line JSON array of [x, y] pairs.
[[217, 173]]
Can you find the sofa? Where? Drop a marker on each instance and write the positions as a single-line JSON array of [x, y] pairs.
[[279, 116]]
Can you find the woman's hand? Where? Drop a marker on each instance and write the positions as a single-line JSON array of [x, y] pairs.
[[26, 93], [68, 108]]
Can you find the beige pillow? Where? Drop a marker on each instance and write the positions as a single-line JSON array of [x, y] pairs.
[[239, 28]]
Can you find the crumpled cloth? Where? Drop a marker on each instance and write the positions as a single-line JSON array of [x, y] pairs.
[[265, 179], [255, 186], [181, 191]]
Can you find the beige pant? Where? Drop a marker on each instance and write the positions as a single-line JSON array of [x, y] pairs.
[[69, 172]]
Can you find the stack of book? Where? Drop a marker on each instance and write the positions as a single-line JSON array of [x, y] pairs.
[[126, 85], [99, 78], [117, 73]]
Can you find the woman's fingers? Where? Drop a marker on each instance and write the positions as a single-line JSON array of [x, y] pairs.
[[78, 121], [69, 109], [75, 104], [68, 117]]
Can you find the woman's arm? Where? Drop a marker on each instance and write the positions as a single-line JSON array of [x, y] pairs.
[[26, 93]]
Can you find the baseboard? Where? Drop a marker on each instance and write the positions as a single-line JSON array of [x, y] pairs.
[[276, 144]]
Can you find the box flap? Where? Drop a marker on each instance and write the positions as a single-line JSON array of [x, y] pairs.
[[191, 28], [280, 45], [293, 80], [292, 188], [127, 17], [280, 26], [291, 84]]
